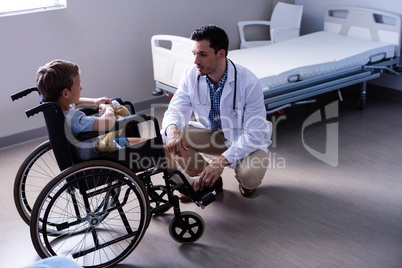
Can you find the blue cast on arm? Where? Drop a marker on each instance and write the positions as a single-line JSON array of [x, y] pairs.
[[122, 142]]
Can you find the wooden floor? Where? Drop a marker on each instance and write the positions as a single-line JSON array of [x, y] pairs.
[[307, 213]]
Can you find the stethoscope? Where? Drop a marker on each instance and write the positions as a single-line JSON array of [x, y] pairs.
[[234, 111]]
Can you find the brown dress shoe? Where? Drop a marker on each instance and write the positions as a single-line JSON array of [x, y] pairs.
[[184, 198], [245, 192]]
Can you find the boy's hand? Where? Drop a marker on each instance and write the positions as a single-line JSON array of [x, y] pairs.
[[103, 108], [102, 100]]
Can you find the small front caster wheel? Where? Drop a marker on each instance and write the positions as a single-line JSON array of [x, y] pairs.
[[188, 228], [158, 201]]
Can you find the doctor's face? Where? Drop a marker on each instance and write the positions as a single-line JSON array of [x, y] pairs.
[[205, 58]]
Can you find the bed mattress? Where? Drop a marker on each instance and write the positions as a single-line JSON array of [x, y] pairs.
[[309, 56]]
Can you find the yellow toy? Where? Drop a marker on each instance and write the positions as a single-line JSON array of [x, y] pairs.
[[106, 141]]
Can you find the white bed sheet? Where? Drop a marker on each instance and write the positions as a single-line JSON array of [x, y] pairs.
[[309, 56]]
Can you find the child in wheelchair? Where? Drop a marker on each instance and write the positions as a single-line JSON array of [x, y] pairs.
[[96, 210], [60, 81]]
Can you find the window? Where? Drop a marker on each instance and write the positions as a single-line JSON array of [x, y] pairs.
[[14, 7]]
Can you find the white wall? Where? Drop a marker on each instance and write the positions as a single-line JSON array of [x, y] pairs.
[[312, 21], [110, 40]]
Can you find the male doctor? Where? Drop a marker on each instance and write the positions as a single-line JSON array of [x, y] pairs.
[[227, 102]]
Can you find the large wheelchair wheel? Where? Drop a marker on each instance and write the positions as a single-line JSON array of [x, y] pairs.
[[94, 213], [34, 173]]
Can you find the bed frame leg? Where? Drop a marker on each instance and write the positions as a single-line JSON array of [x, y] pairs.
[[340, 95], [362, 101]]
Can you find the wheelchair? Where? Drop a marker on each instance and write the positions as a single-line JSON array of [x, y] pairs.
[[97, 211], [40, 166]]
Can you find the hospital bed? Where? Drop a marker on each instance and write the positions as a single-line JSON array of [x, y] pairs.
[[355, 46]]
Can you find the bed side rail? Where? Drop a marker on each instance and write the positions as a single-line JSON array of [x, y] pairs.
[[280, 99], [171, 55], [365, 23]]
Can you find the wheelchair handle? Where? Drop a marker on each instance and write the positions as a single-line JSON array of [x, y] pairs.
[[39, 108], [23, 93]]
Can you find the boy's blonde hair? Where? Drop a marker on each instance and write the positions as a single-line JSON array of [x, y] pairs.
[[54, 77]]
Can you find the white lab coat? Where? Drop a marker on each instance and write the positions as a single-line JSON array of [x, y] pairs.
[[244, 133]]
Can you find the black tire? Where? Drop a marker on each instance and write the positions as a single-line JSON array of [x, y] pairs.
[[188, 228], [34, 173], [92, 201]]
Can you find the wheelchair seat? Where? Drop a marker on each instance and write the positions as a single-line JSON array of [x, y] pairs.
[[64, 143]]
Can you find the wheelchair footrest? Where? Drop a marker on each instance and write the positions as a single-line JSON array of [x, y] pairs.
[[208, 198], [203, 199], [200, 198]]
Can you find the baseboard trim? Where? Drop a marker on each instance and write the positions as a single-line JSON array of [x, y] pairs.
[[22, 137], [42, 132]]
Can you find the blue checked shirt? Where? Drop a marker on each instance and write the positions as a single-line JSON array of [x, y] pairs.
[[216, 95]]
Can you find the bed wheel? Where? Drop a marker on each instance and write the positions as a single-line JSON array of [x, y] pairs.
[[363, 93], [362, 101], [188, 228]]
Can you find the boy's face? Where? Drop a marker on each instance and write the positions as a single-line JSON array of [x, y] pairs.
[[75, 93]]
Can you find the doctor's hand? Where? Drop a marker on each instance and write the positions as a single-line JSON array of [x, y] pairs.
[[211, 173], [174, 141]]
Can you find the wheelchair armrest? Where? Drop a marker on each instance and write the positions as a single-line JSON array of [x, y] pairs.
[[122, 124], [89, 135], [136, 119]]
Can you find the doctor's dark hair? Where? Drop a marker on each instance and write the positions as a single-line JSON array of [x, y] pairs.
[[216, 36], [54, 77]]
